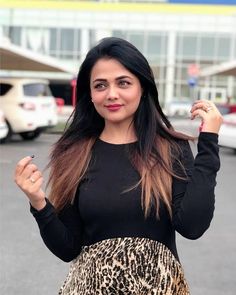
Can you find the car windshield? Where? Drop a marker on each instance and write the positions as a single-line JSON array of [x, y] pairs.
[[37, 89]]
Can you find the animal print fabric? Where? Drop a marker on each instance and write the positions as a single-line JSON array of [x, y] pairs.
[[125, 266]]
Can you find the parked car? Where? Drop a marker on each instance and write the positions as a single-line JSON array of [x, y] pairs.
[[226, 108], [28, 105], [178, 108], [3, 127], [227, 134]]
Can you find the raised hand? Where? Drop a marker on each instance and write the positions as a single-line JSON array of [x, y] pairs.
[[30, 180], [210, 115]]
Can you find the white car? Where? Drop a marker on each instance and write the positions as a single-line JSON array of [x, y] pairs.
[[227, 134], [178, 108], [3, 127], [28, 106]]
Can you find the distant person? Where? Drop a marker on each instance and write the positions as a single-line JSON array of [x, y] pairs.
[[123, 181]]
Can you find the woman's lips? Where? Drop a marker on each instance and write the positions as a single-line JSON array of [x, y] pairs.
[[113, 107]]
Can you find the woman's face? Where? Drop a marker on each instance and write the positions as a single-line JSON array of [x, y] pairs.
[[115, 91]]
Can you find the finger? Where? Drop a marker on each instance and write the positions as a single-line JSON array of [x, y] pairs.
[[21, 165], [200, 104], [39, 181], [35, 176], [34, 190], [206, 105], [198, 113], [35, 186], [28, 171], [203, 101]]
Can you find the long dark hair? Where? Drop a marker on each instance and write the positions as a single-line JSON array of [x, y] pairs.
[[156, 149]]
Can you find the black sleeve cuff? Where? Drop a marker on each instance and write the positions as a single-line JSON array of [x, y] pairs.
[[208, 152], [208, 136], [44, 212]]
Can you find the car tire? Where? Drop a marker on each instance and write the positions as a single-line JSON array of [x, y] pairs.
[[30, 135], [9, 134]]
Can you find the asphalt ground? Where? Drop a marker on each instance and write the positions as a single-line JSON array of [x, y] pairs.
[[28, 268]]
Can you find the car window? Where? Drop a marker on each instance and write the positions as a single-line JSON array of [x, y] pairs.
[[36, 89], [4, 88]]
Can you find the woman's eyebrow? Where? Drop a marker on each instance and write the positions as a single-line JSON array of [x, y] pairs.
[[99, 80], [123, 77], [117, 78]]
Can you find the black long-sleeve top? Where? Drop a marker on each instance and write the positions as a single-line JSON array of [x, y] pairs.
[[103, 209]]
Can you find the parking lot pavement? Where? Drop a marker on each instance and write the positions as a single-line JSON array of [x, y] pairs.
[[28, 268]]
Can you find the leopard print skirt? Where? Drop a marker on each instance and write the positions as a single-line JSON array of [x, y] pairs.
[[125, 266]]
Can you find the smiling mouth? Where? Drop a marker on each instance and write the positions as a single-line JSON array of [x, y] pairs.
[[113, 107]]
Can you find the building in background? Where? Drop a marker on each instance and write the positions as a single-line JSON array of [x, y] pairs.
[[179, 39]]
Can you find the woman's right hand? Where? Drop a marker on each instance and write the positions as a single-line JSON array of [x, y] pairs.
[[30, 179]]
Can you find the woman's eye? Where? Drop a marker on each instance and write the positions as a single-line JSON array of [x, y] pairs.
[[100, 86], [124, 83]]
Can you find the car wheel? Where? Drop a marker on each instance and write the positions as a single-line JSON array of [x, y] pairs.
[[9, 134], [30, 135]]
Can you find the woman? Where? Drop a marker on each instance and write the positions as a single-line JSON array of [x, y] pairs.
[[123, 181]]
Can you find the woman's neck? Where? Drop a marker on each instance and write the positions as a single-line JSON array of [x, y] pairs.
[[118, 134]]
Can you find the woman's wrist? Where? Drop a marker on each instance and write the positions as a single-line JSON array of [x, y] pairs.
[[38, 205]]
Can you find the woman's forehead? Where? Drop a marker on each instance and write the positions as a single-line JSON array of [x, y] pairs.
[[107, 68]]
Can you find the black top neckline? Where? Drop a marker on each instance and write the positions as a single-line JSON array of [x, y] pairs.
[[101, 141]]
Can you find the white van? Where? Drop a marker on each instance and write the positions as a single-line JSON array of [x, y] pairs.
[[28, 106]]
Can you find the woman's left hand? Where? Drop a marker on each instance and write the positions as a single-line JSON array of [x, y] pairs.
[[210, 115]]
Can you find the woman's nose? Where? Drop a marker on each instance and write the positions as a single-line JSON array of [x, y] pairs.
[[112, 93]]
